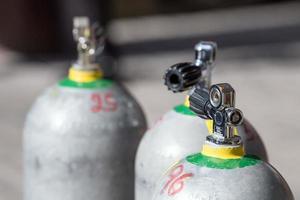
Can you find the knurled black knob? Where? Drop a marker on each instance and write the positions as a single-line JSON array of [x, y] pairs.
[[182, 76], [199, 102]]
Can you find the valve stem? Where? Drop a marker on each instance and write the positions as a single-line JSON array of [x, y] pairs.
[[90, 43], [205, 55], [183, 76]]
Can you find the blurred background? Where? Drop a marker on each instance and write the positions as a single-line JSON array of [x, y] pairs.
[[259, 54]]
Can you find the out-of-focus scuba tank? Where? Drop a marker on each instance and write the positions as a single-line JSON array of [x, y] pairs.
[[221, 170], [180, 131], [81, 134]]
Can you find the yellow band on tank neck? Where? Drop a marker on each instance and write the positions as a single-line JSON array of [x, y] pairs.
[[187, 101], [223, 152], [84, 76]]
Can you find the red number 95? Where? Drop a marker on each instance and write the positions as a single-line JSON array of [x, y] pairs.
[[103, 102]]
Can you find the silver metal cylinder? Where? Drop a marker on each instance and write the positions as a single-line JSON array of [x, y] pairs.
[[201, 177], [80, 143], [177, 134]]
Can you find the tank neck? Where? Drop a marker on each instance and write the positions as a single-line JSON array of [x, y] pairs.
[[84, 75], [223, 151], [90, 44]]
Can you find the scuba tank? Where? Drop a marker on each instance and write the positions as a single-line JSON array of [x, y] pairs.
[[221, 170], [179, 132], [81, 134]]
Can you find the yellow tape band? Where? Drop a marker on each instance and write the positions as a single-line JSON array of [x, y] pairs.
[[84, 76], [209, 125], [222, 152], [187, 102]]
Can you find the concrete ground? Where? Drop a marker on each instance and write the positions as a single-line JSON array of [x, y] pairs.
[[266, 78]]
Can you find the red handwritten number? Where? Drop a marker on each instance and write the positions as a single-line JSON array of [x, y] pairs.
[[176, 182], [96, 98], [176, 172], [111, 102], [105, 102]]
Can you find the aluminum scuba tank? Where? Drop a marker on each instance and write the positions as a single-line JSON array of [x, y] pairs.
[[81, 134], [221, 170], [179, 132]]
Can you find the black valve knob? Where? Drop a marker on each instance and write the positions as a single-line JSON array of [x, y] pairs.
[[199, 100], [182, 76]]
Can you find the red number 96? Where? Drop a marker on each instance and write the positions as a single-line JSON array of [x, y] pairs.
[[176, 181]]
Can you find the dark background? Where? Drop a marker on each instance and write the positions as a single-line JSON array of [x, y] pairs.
[[43, 27]]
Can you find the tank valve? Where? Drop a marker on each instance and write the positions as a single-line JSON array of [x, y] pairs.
[[183, 76], [90, 42], [217, 104]]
